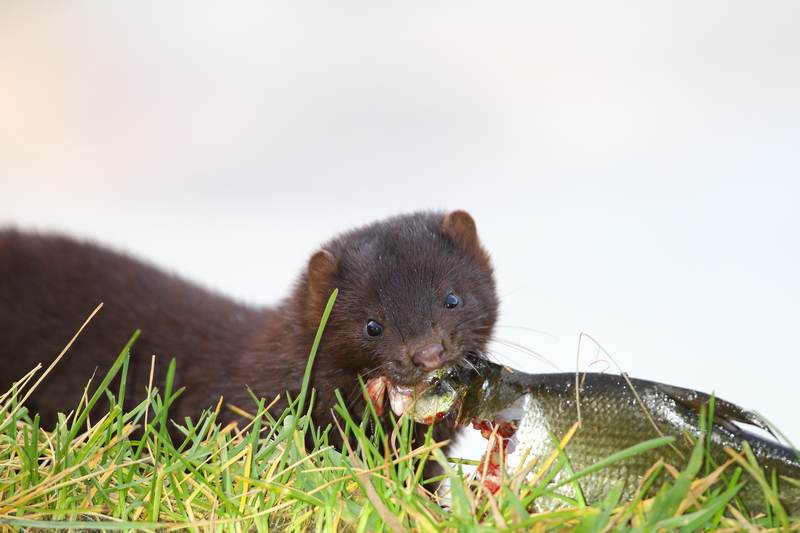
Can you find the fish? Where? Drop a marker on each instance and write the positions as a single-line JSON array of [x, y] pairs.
[[527, 415]]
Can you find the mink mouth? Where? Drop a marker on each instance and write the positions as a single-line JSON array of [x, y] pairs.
[[403, 389], [401, 395]]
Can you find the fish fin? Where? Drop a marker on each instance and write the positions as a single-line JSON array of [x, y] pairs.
[[725, 413]]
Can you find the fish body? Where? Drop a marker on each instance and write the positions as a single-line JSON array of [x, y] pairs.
[[616, 412]]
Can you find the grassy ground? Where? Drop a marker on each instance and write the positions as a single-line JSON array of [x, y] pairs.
[[281, 474]]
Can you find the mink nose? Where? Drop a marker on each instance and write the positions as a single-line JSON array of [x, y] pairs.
[[430, 357]]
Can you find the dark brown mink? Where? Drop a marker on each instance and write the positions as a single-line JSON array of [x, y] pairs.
[[416, 292]]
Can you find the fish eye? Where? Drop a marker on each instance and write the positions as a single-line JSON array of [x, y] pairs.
[[374, 329], [451, 301]]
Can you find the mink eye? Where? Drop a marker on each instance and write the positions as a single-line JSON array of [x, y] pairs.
[[451, 301], [374, 329]]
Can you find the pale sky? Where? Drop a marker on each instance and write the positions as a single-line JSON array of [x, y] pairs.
[[633, 168]]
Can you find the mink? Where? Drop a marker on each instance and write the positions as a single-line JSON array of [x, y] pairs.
[[415, 292]]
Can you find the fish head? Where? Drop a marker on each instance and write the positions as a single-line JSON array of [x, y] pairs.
[[442, 395]]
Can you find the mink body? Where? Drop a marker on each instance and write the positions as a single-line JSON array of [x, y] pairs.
[[397, 272]]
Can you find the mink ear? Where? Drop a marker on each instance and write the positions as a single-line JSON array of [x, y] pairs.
[[321, 269], [459, 226]]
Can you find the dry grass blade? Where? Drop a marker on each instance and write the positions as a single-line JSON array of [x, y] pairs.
[[380, 507]]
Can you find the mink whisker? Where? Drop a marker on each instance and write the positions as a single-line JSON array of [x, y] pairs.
[[368, 373], [524, 349], [489, 356], [357, 391], [525, 328], [469, 363], [472, 319]]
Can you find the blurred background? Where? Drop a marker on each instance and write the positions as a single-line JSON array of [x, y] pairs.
[[633, 169]]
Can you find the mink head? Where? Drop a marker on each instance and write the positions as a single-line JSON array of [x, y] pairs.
[[416, 293]]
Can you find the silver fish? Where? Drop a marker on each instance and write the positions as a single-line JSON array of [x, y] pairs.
[[532, 411]]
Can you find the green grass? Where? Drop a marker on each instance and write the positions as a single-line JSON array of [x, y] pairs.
[[279, 472]]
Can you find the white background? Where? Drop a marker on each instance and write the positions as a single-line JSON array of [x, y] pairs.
[[633, 169]]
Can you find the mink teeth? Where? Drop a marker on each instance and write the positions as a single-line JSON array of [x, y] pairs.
[[400, 398]]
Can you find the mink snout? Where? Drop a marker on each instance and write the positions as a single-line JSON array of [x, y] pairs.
[[429, 357]]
